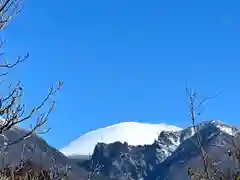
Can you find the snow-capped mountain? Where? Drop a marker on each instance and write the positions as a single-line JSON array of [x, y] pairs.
[[133, 133], [129, 150], [169, 157]]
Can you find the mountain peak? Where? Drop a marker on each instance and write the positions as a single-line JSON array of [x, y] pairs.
[[134, 133], [220, 125]]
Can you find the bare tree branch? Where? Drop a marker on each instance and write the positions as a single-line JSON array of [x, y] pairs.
[[211, 171], [19, 60], [2, 8], [192, 107], [12, 110], [94, 169]]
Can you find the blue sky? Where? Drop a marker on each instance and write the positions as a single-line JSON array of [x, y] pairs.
[[127, 60]]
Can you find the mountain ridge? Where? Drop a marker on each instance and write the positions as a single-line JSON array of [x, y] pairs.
[[36, 150], [134, 133], [172, 149]]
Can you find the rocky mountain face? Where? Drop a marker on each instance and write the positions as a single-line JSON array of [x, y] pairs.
[[37, 151], [134, 133], [169, 157]]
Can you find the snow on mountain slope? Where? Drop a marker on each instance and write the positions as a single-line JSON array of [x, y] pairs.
[[133, 133], [172, 150]]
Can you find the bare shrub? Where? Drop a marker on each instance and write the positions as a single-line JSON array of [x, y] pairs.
[[210, 169], [13, 111]]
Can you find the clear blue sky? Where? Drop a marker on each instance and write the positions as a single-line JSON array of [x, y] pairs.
[[128, 60]]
